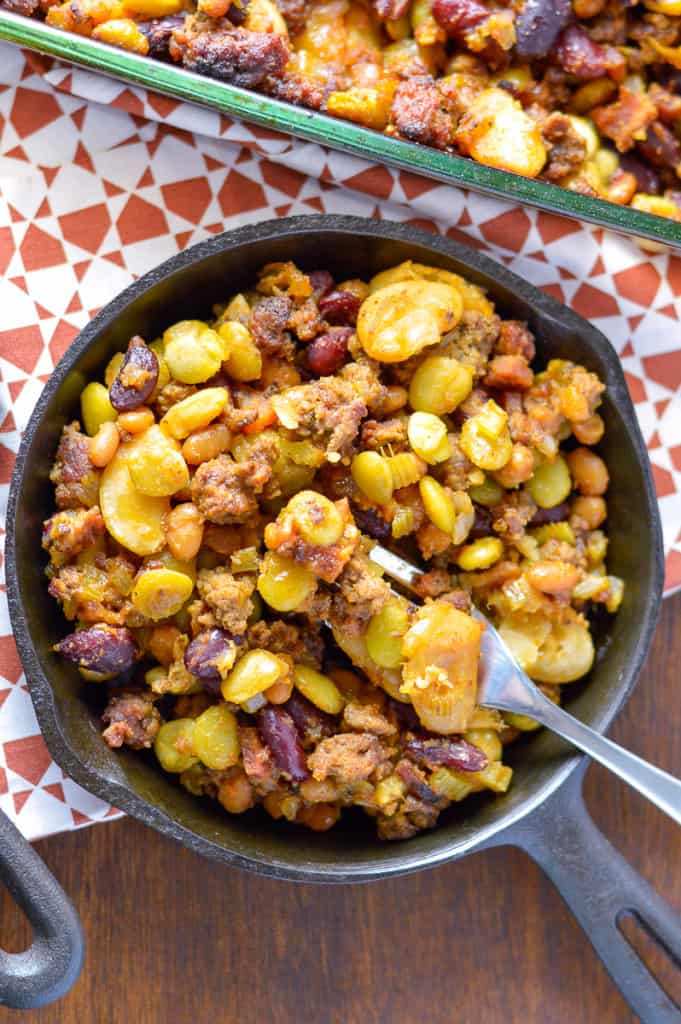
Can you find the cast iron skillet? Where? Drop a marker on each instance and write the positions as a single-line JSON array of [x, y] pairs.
[[543, 812]]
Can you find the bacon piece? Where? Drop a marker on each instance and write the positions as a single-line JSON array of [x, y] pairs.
[[626, 121]]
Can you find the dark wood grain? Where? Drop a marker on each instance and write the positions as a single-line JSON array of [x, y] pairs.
[[173, 939]]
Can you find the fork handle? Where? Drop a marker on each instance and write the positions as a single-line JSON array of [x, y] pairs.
[[661, 789]]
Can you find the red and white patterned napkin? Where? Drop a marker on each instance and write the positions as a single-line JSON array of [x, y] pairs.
[[100, 181]]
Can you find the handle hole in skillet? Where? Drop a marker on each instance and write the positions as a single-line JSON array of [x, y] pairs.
[[663, 966], [16, 934]]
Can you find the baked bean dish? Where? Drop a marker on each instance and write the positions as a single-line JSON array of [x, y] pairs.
[[216, 512], [582, 93]]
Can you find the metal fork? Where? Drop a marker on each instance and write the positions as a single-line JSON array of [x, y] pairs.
[[504, 685]]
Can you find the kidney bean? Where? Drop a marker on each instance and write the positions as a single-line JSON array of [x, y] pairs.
[[340, 308], [322, 282], [237, 15], [660, 147], [447, 752], [106, 649], [203, 653], [550, 515], [538, 25], [25, 7], [371, 523], [311, 723], [458, 17], [579, 55], [278, 731], [405, 714], [159, 32], [482, 524], [647, 179], [136, 379], [667, 76], [327, 352]]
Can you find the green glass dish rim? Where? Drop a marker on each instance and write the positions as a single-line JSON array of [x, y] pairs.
[[328, 131]]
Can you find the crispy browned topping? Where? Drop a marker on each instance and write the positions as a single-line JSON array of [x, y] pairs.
[[518, 86]]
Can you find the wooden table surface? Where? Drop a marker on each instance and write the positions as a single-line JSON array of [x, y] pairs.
[[174, 939]]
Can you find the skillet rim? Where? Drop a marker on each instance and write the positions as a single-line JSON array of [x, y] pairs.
[[125, 797]]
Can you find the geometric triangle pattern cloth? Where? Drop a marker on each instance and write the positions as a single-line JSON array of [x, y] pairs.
[[100, 181]]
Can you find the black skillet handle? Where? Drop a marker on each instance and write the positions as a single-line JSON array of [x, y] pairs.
[[600, 887], [50, 967]]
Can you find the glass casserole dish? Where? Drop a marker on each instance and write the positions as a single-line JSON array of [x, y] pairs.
[[338, 134]]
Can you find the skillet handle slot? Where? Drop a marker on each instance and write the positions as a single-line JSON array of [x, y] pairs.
[[48, 969], [601, 889]]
